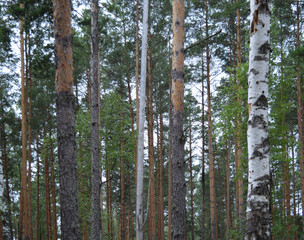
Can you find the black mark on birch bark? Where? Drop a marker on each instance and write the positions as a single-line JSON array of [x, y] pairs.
[[254, 71], [265, 48], [261, 102], [260, 58], [256, 121]]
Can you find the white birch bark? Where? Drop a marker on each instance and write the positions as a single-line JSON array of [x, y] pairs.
[[142, 105], [258, 225]]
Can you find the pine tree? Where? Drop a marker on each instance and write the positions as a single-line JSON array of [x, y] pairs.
[[177, 132], [65, 120]]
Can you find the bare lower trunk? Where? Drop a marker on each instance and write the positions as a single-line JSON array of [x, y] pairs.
[[65, 102], [191, 181], [23, 216], [140, 146], [95, 173], [258, 225], [177, 135], [170, 154], [38, 190]]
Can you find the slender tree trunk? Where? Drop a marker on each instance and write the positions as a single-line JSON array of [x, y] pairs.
[[203, 155], [38, 190], [23, 216], [96, 209], [161, 178], [53, 191], [286, 174], [299, 113], [47, 191], [5, 172], [177, 135], [293, 184], [238, 149], [140, 146], [228, 212], [191, 179], [170, 152], [152, 203], [258, 225], [65, 121], [29, 182], [213, 213]]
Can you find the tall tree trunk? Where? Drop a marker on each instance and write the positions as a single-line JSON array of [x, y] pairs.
[[228, 212], [211, 162], [123, 217], [29, 181], [96, 209], [53, 190], [161, 231], [177, 135], [293, 184], [152, 203], [5, 172], [258, 225], [170, 152], [23, 216], [65, 120], [238, 149], [300, 120], [191, 179], [203, 155], [286, 174], [140, 144], [47, 190], [37, 190]]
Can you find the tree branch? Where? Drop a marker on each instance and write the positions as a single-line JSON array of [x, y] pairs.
[[203, 40]]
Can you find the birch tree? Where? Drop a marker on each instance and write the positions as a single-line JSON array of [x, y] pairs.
[[177, 118], [96, 210], [258, 225], [65, 102], [140, 144]]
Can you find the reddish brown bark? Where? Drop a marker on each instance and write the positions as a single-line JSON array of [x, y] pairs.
[[23, 216]]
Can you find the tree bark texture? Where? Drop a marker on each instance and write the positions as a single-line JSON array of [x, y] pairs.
[[95, 173], [140, 144], [23, 217], [258, 216], [177, 135], [65, 120]]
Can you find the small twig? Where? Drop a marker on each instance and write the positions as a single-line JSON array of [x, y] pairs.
[[203, 40]]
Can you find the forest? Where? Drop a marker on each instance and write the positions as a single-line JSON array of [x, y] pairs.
[[154, 120]]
